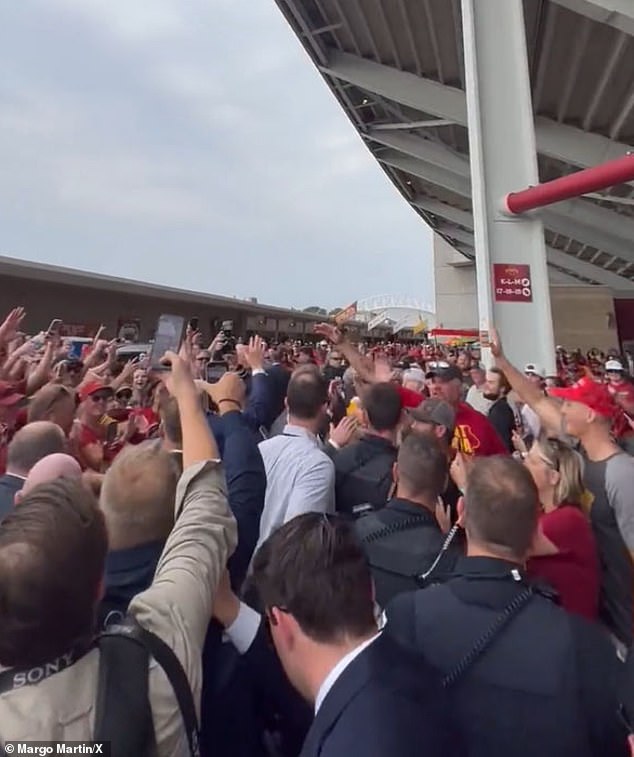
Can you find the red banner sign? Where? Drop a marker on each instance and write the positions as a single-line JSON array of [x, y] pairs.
[[512, 282]]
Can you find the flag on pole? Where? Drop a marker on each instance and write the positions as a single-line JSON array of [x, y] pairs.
[[347, 314]]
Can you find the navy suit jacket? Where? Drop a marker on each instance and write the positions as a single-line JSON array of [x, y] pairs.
[[384, 704], [279, 376], [246, 484], [259, 411], [9, 486]]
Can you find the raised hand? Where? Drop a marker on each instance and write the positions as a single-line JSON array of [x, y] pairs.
[[218, 343], [332, 333], [344, 432], [383, 371], [178, 380], [495, 343], [228, 393], [459, 470], [98, 336], [254, 353], [443, 516], [11, 324]]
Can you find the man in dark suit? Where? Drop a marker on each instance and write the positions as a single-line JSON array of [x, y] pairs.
[[32, 443], [279, 376], [368, 695]]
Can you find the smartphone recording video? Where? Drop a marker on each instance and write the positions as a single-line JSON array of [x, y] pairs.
[[167, 338], [215, 371]]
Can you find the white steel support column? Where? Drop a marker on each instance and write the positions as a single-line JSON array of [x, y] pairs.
[[503, 157]]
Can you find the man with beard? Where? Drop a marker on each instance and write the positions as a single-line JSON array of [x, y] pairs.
[[496, 389]]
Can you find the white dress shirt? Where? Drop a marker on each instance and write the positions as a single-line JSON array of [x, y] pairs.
[[244, 629], [300, 478], [338, 670]]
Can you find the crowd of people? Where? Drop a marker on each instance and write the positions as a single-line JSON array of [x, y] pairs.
[[321, 548]]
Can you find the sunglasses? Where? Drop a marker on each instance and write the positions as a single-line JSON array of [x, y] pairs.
[[99, 397]]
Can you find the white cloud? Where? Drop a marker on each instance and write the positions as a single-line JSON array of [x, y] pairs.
[[133, 21], [197, 130]]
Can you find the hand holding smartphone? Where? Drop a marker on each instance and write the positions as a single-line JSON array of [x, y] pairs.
[[54, 328], [167, 338]]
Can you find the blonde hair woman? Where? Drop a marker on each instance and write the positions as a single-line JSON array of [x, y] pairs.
[[564, 554]]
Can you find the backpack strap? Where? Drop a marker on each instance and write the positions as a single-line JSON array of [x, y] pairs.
[[155, 647], [123, 714]]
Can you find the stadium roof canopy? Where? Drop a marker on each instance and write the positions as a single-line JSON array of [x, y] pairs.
[[397, 69]]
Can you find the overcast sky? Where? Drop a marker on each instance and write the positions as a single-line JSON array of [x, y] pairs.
[[192, 143]]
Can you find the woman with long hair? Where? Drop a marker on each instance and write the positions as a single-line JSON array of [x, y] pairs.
[[564, 554]]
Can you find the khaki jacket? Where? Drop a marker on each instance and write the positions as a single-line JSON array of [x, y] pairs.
[[176, 607]]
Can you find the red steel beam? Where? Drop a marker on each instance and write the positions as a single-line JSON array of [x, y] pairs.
[[606, 175]]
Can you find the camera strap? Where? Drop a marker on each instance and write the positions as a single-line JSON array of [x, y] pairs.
[[18, 678], [124, 647]]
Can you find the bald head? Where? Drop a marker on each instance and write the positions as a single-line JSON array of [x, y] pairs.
[[32, 443], [51, 468], [137, 496]]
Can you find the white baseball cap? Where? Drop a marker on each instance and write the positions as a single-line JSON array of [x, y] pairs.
[[534, 370], [614, 365]]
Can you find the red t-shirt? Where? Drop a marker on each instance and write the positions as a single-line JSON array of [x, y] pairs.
[[574, 572], [474, 434], [83, 436]]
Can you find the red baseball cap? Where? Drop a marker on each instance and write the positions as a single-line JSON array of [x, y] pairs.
[[92, 387], [9, 394], [588, 393]]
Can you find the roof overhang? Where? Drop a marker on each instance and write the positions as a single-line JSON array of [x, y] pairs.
[[396, 67]]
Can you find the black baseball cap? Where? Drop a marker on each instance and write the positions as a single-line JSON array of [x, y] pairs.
[[444, 372]]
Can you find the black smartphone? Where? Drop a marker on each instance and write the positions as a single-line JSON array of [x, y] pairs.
[[215, 371], [167, 338], [193, 323], [112, 431]]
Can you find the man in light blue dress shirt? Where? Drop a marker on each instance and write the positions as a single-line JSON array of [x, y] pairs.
[[300, 477]]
